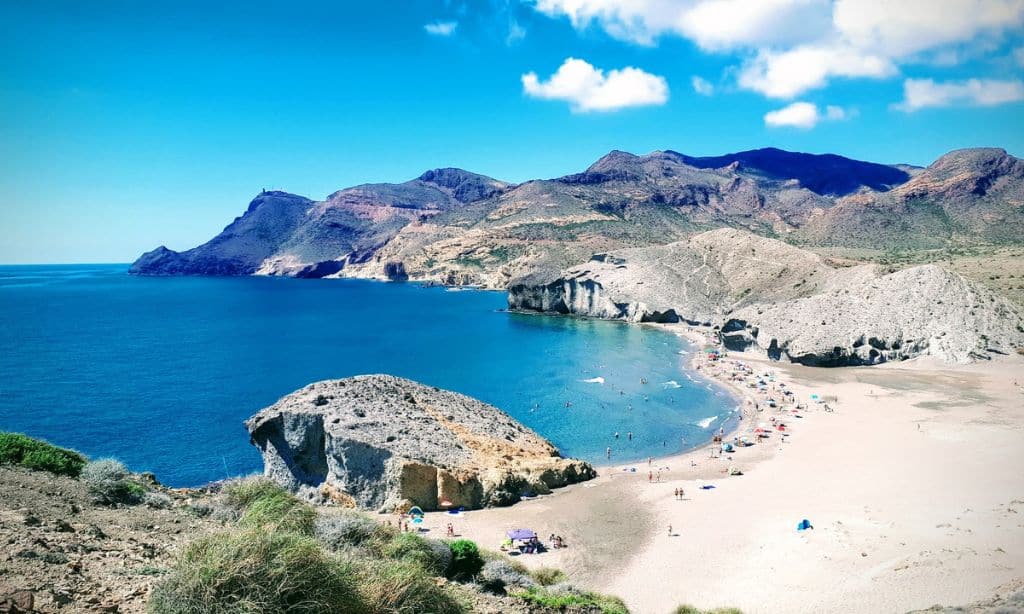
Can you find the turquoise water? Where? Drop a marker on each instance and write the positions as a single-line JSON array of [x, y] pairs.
[[161, 372]]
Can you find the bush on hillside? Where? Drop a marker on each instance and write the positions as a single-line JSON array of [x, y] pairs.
[[547, 576], [257, 572], [157, 500], [242, 493], [110, 482], [431, 555], [280, 511], [566, 600], [347, 529], [38, 455], [389, 586], [499, 576], [466, 560]]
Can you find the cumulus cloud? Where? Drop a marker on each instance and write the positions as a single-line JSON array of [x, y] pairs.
[[924, 93], [702, 86], [911, 26], [790, 73], [590, 89], [441, 28], [713, 24], [794, 46], [804, 115]]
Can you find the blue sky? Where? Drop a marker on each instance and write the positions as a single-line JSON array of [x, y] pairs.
[[126, 125]]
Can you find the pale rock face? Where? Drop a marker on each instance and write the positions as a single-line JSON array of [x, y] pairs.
[[381, 442], [785, 301]]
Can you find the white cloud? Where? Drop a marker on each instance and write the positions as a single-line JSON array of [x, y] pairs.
[[793, 46], [910, 26], [834, 113], [790, 73], [516, 32], [713, 24], [798, 115], [589, 89], [702, 86], [923, 93], [804, 115], [441, 28]]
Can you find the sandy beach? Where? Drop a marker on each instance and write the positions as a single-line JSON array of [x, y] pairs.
[[914, 485]]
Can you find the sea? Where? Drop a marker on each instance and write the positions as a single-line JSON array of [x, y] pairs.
[[160, 373]]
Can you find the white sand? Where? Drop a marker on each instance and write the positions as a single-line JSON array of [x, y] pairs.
[[915, 487]]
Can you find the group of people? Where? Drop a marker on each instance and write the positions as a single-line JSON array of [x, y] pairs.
[[680, 493], [556, 541]]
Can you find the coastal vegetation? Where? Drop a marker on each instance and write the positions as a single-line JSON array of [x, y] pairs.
[[38, 455]]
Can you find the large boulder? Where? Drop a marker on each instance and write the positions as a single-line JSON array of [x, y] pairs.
[[384, 443]]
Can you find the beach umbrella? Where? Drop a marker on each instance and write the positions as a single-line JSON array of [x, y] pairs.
[[520, 534]]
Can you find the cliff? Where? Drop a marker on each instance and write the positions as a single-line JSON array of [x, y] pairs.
[[383, 442], [784, 301]]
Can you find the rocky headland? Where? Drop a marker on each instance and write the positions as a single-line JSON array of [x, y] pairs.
[[785, 301], [384, 443]]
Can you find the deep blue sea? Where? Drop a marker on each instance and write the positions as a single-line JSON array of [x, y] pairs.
[[161, 372]]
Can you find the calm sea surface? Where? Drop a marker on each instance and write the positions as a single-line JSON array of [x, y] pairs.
[[161, 372]]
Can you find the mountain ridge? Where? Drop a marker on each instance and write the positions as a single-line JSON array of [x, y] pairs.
[[454, 226]]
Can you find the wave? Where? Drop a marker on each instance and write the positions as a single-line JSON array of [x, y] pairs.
[[671, 384], [594, 380], [706, 422]]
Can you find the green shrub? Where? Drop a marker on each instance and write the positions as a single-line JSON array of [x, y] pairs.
[[257, 572], [38, 455], [348, 529], [110, 483], [546, 576], [389, 586], [431, 555], [280, 511], [466, 559], [565, 599], [244, 492]]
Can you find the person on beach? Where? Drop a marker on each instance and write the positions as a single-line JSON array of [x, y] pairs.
[[670, 530], [650, 476], [676, 492], [608, 452]]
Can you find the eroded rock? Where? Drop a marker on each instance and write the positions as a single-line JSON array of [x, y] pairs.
[[383, 442]]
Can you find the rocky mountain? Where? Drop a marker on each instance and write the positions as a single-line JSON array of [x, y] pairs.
[[382, 442], [787, 302], [285, 234], [457, 227]]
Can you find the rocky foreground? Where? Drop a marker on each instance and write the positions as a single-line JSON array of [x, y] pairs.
[[787, 302], [381, 442]]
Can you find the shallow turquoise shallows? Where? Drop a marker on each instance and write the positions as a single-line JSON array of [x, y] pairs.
[[161, 372]]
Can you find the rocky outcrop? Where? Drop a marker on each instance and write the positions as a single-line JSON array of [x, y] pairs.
[[382, 442], [920, 311], [784, 301]]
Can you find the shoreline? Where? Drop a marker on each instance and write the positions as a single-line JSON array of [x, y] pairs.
[[912, 484]]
